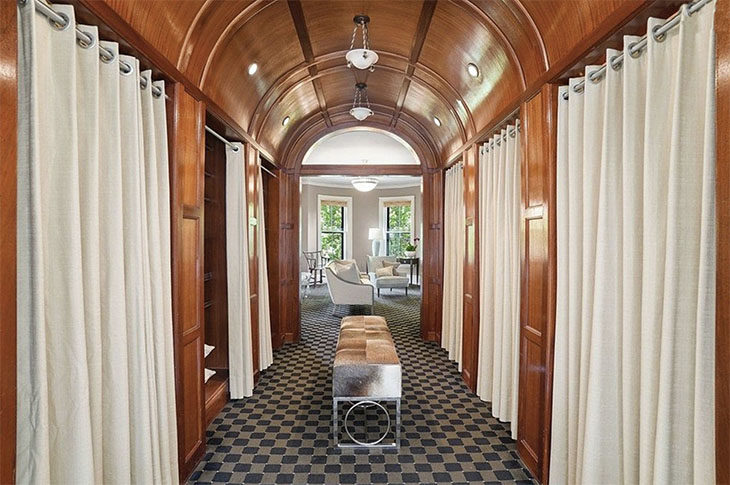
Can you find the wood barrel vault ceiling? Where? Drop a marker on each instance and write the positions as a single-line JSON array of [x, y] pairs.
[[424, 48]]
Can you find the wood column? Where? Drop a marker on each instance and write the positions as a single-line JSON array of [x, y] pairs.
[[289, 309], [432, 253], [8, 201], [186, 121], [251, 159], [722, 310], [470, 335], [538, 279]]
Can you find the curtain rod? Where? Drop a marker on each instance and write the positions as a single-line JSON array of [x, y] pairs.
[[233, 147], [60, 21], [635, 48]]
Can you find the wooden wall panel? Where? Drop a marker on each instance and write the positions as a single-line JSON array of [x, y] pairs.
[[186, 119], [271, 221], [722, 357], [289, 256], [433, 255], [8, 177], [470, 335], [251, 159], [538, 280]]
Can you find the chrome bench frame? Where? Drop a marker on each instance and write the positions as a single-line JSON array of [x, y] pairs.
[[356, 401]]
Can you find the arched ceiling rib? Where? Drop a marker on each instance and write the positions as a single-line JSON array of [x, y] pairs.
[[424, 48]]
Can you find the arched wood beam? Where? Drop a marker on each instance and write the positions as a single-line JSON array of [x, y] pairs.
[[256, 130], [184, 56], [298, 76], [307, 124], [536, 31], [491, 25], [294, 158], [234, 26]]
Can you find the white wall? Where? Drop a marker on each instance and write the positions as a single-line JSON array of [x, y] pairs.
[[364, 215]]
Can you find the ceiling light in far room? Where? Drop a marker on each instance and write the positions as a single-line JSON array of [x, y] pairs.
[[364, 184], [363, 58], [436, 121], [361, 104], [252, 69], [285, 121], [472, 69]]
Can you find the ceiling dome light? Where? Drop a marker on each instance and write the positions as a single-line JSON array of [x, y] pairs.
[[285, 121], [252, 69], [472, 69], [359, 110], [363, 58], [364, 184], [436, 121]]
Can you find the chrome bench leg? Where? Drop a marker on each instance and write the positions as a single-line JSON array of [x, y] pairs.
[[335, 430]]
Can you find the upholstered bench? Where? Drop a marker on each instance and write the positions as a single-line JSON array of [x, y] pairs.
[[366, 371]]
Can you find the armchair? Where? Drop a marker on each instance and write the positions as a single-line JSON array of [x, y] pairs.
[[347, 286]]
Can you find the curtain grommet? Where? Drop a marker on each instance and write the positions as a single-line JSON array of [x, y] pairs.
[[658, 37], [129, 70], [58, 26], [634, 53], [611, 62], [594, 77], [108, 60], [86, 45]]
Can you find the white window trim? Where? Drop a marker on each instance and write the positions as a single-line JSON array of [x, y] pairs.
[[381, 210], [348, 222]]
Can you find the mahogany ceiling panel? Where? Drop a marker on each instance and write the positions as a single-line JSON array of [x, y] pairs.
[[563, 24], [392, 24], [163, 23], [228, 82], [213, 22], [339, 85], [423, 106], [298, 105], [455, 39]]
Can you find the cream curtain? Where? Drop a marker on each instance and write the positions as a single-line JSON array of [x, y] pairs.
[[96, 397], [266, 353], [453, 284], [499, 274], [633, 396], [240, 344]]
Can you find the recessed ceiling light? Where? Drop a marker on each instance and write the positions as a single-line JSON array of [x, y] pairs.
[[472, 69], [285, 121], [252, 69], [460, 103], [436, 121]]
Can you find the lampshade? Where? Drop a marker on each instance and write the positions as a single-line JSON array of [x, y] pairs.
[[375, 233], [361, 112], [364, 184], [361, 58]]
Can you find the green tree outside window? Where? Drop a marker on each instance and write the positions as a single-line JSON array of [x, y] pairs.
[[332, 230], [397, 229]]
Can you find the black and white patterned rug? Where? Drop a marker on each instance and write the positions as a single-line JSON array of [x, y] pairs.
[[283, 433]]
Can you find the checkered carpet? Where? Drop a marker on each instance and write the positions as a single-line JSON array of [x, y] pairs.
[[282, 434]]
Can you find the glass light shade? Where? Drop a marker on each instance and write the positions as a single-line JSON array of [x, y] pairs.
[[375, 233], [361, 58], [361, 112], [364, 184]]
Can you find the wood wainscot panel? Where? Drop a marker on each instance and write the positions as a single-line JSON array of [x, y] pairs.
[[432, 252], [8, 201], [470, 334], [538, 280], [186, 119]]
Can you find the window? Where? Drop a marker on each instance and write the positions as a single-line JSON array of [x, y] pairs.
[[397, 221], [334, 218]]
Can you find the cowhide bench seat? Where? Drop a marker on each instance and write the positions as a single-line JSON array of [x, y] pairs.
[[366, 372]]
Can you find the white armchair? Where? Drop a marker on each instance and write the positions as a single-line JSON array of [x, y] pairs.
[[347, 286]]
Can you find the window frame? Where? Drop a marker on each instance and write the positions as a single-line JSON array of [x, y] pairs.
[[346, 223], [411, 199]]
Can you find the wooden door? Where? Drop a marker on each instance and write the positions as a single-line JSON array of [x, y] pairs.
[[271, 228], [186, 121], [538, 279], [433, 255], [470, 334]]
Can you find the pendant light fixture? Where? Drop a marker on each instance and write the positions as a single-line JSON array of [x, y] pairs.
[[361, 58], [361, 104]]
